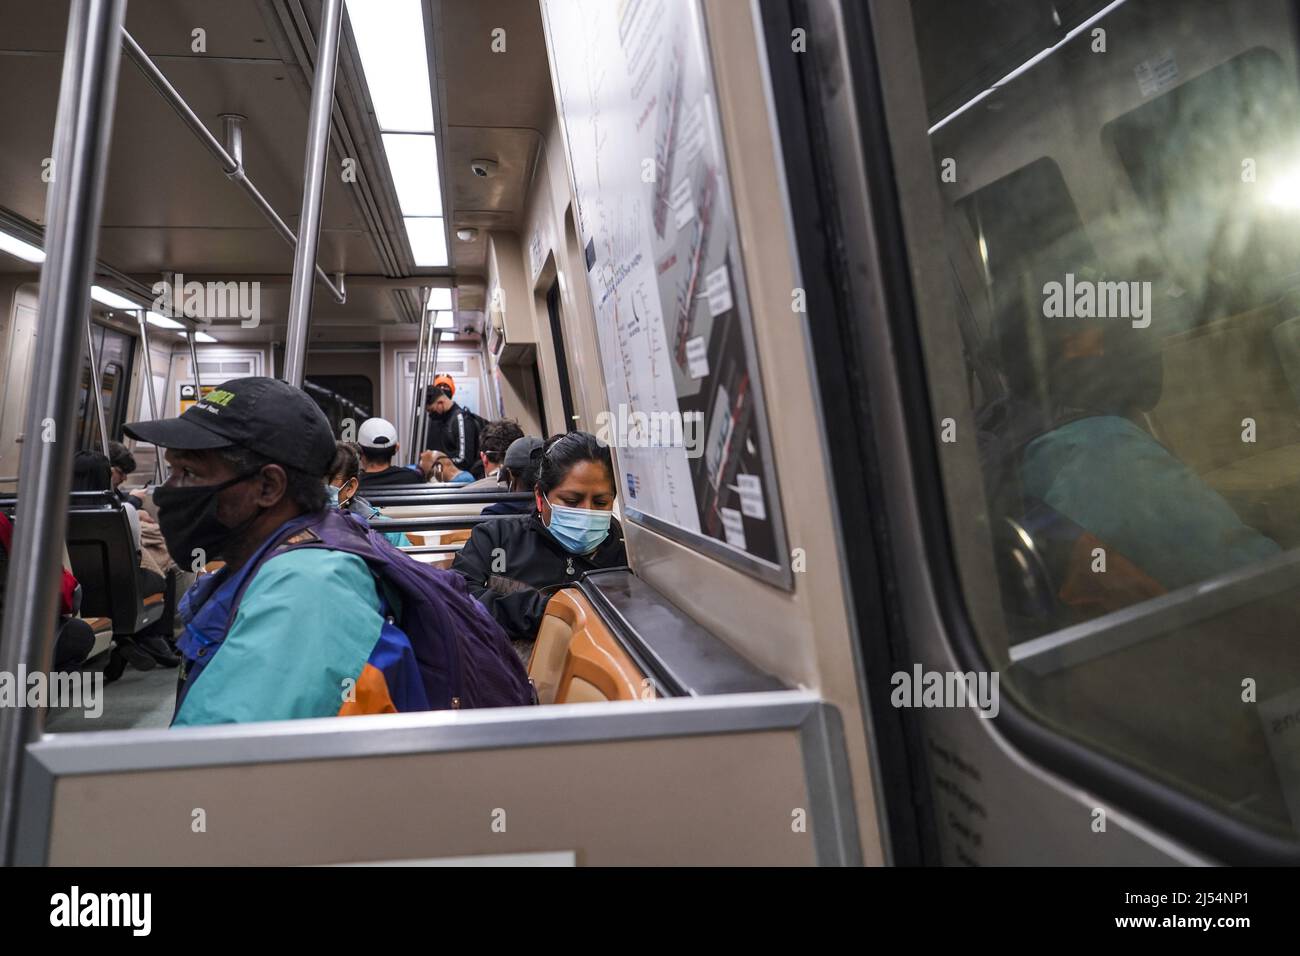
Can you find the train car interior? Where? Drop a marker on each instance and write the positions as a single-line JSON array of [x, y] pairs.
[[978, 324]]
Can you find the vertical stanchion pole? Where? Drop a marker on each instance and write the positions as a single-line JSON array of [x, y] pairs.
[[318, 141], [94, 384], [417, 389], [82, 130], [194, 362], [430, 372], [153, 399]]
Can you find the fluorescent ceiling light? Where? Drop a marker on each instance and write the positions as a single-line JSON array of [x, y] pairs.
[[23, 250], [200, 337], [449, 336], [443, 320], [428, 241], [439, 300], [413, 161], [153, 318], [1038, 57], [390, 42], [112, 299]]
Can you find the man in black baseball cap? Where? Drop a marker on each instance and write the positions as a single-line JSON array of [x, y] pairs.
[[248, 457]]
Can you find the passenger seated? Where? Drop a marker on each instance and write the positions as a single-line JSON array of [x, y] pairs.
[[92, 471], [509, 561], [74, 638], [341, 486], [123, 465], [518, 473], [294, 624], [377, 439], [445, 471], [1100, 469], [493, 442]]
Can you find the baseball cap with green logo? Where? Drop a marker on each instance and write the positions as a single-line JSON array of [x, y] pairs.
[[264, 415]]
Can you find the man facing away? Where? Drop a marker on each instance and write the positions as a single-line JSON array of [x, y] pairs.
[[378, 441], [291, 626]]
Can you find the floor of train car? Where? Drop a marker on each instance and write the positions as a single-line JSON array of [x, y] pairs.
[[137, 699]]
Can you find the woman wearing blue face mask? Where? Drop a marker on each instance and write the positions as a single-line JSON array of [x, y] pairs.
[[341, 486], [508, 560]]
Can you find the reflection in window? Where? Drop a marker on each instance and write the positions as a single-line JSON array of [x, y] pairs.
[[1123, 249]]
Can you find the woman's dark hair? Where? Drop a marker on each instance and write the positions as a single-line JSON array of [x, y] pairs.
[[347, 462], [91, 471], [120, 457], [555, 459]]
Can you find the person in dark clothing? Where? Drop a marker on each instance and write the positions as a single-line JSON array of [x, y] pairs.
[[511, 562], [122, 463], [378, 440], [93, 471], [452, 430], [518, 473]]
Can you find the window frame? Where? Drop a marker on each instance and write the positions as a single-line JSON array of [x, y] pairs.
[[887, 140]]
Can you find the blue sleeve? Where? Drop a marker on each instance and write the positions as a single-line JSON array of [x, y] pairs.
[[1113, 479], [307, 623], [396, 538]]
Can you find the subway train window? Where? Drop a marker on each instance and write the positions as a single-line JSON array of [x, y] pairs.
[[1120, 187], [112, 351]]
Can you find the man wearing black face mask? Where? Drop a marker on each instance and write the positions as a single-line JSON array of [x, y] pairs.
[[273, 634]]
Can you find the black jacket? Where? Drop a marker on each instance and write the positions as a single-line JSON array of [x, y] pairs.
[[455, 433], [529, 559], [393, 476]]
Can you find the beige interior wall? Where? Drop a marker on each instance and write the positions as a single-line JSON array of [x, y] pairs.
[[802, 636], [552, 254], [518, 382], [717, 799], [17, 352]]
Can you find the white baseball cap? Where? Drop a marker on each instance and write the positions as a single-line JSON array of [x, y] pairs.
[[377, 433]]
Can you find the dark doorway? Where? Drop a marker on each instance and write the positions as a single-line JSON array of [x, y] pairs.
[[561, 358]]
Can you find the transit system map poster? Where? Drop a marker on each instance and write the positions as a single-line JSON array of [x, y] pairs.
[[655, 220]]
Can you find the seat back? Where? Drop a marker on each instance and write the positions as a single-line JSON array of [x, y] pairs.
[[577, 659], [102, 554]]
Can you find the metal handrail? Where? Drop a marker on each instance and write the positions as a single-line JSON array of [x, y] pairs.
[[229, 165], [313, 192]]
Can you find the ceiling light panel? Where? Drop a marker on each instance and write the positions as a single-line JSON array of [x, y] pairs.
[[413, 161], [23, 250], [390, 41], [112, 299], [428, 241]]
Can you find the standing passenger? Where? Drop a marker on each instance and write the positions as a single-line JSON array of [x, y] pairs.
[[453, 430]]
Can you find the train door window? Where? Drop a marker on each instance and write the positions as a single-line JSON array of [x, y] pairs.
[[342, 397], [561, 357], [112, 351], [1121, 232]]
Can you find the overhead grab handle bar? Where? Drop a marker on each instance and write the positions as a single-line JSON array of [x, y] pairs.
[[231, 165]]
